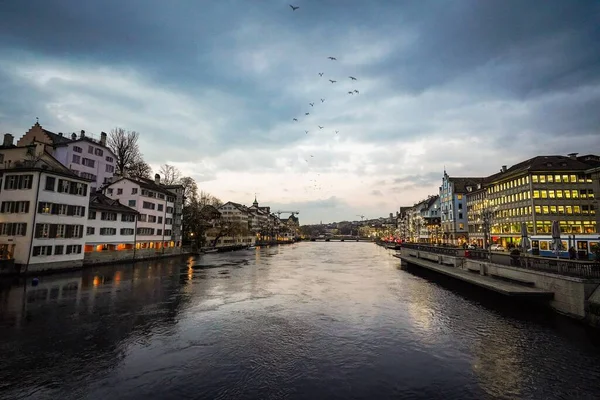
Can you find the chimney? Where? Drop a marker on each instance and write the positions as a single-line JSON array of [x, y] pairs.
[[503, 168], [573, 155], [60, 134], [82, 134], [8, 139], [157, 179], [73, 136], [103, 138]]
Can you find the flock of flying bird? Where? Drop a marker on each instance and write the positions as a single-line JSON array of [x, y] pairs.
[[352, 92]]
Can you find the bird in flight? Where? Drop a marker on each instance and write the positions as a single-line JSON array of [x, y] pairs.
[[306, 113], [336, 132], [312, 104], [350, 92], [294, 8], [320, 127], [322, 100], [332, 81], [353, 78], [356, 91], [295, 119], [306, 132], [332, 58], [311, 155], [320, 74]]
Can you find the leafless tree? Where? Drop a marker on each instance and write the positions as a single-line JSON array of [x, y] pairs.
[[139, 169], [125, 146], [190, 189], [210, 200], [170, 174]]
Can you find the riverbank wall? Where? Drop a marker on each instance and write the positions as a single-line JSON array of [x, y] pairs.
[[577, 297]]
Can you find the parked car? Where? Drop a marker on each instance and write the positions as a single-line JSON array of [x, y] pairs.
[[496, 247]]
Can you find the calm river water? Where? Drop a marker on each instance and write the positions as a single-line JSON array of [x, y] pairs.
[[305, 321]]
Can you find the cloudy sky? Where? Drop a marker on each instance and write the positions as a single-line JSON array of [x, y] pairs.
[[213, 87]]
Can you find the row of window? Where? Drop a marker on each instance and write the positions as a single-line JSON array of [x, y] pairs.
[[13, 229], [112, 216], [150, 232], [58, 250], [567, 194], [18, 182], [60, 209], [110, 231], [13, 207], [93, 150], [154, 219], [52, 231], [545, 227], [65, 186]]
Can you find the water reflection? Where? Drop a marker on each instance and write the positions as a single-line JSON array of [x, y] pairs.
[[313, 320]]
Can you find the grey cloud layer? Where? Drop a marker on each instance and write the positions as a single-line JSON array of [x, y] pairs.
[[467, 84]]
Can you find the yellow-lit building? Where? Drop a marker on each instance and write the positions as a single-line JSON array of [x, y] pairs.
[[538, 191]]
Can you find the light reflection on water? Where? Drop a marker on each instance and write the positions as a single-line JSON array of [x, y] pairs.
[[312, 320]]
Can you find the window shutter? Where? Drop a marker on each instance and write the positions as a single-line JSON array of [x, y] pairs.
[[54, 208], [38, 230], [70, 210], [53, 229], [69, 231]]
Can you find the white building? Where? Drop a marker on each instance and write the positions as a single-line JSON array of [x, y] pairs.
[[111, 230], [43, 209], [89, 158], [156, 206]]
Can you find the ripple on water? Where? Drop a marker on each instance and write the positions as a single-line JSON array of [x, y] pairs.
[[313, 320]]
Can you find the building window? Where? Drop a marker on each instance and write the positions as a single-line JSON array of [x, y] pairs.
[[13, 182], [77, 149], [461, 226], [90, 230], [160, 207], [108, 216], [460, 215], [88, 162], [98, 152], [148, 205], [127, 217], [42, 251], [131, 203], [73, 249], [159, 231], [92, 215], [90, 150], [134, 190], [120, 191], [108, 231], [152, 218], [76, 159], [50, 183], [109, 159], [110, 169], [127, 231], [58, 249], [160, 220]]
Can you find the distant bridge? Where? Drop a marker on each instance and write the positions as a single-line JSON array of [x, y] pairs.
[[341, 239]]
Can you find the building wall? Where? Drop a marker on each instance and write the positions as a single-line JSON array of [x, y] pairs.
[[36, 133], [97, 223], [102, 157], [27, 242], [123, 190]]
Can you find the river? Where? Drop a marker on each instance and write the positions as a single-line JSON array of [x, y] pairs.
[[305, 321]]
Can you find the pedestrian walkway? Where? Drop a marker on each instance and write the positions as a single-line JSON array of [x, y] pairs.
[[502, 287]]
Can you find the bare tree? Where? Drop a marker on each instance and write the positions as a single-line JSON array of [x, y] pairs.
[[125, 146], [207, 199], [190, 189], [170, 174], [139, 169]]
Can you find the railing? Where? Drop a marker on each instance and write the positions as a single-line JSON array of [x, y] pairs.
[[580, 269], [448, 251], [477, 254]]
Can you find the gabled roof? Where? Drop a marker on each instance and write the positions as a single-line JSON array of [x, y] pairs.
[[144, 183], [545, 164], [98, 201], [461, 183], [56, 139], [239, 206]]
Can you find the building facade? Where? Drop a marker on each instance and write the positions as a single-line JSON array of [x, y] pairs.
[[156, 207], [88, 158], [111, 230], [43, 209], [453, 206], [539, 191]]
